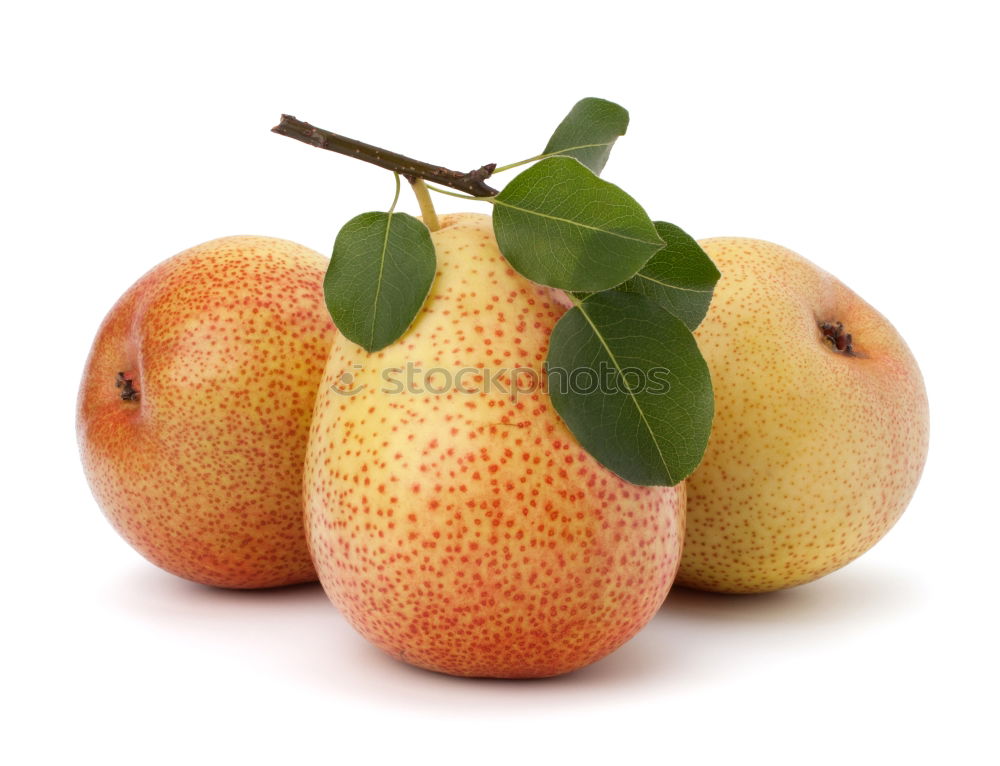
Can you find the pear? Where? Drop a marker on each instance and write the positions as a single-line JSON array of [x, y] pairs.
[[453, 518], [194, 410], [820, 431]]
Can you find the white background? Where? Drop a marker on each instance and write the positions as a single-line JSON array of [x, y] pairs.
[[862, 135]]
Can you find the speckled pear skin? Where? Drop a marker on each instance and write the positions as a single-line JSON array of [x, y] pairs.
[[466, 533], [201, 471], [814, 453]]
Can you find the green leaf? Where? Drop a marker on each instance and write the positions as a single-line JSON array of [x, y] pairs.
[[628, 379], [680, 277], [589, 131], [560, 225], [379, 275]]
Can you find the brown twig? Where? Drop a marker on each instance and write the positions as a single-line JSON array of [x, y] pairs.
[[470, 183]]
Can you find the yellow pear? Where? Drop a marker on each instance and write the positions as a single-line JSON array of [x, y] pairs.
[[194, 410], [453, 519], [820, 431]]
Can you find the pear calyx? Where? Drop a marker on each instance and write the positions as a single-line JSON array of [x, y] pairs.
[[128, 392], [840, 341]]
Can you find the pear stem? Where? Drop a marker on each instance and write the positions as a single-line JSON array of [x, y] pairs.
[[472, 182], [427, 211]]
